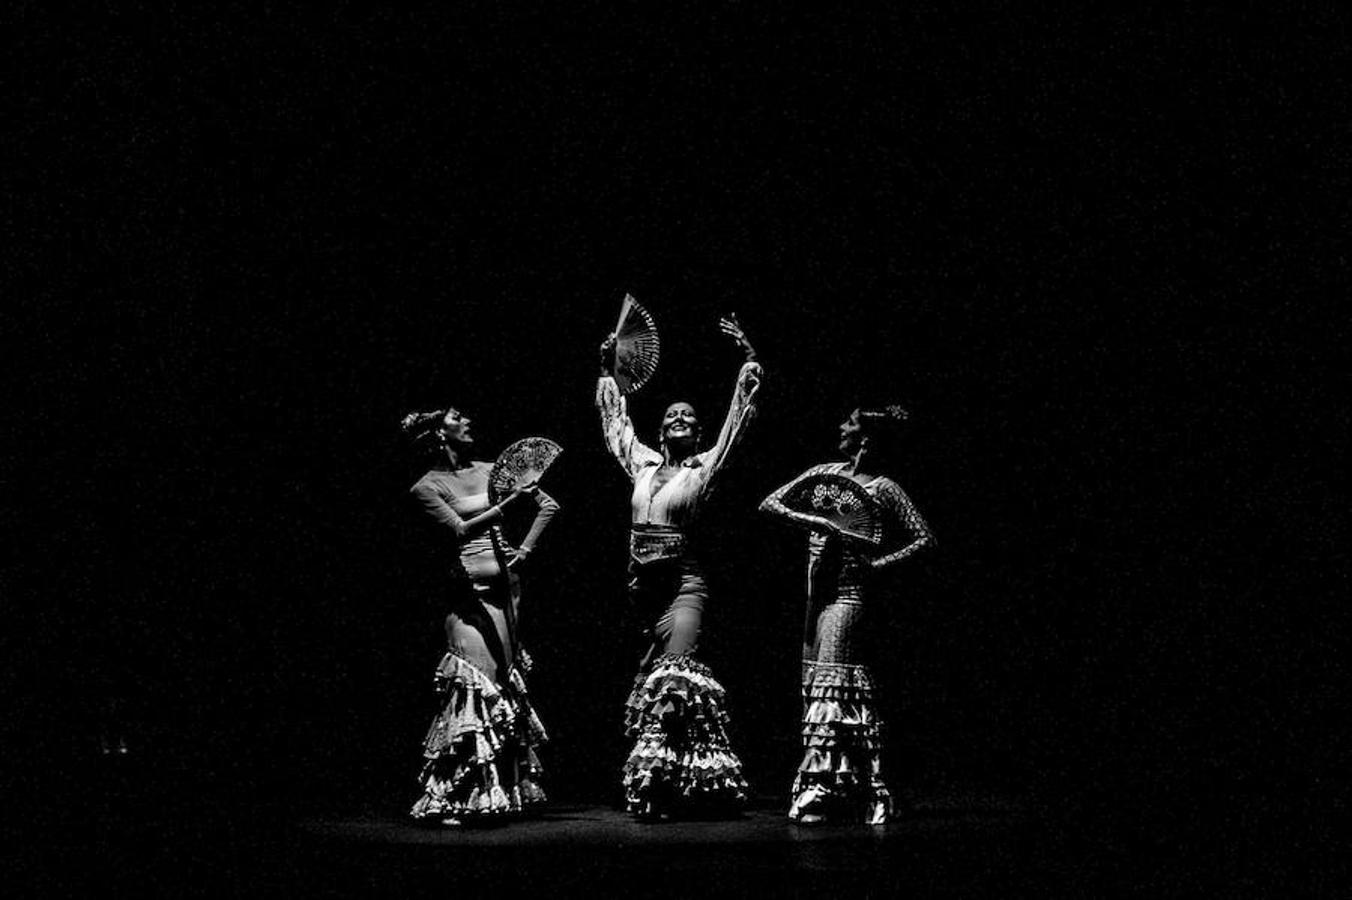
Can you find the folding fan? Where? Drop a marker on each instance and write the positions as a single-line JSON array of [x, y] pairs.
[[636, 346], [521, 463], [840, 502]]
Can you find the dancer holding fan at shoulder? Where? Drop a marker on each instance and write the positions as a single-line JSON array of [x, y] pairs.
[[480, 759], [681, 762], [862, 524]]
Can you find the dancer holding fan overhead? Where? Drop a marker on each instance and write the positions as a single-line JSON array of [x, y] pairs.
[[480, 750], [861, 524], [681, 762]]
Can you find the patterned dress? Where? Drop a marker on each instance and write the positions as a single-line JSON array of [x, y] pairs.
[[681, 760], [840, 776], [480, 752]]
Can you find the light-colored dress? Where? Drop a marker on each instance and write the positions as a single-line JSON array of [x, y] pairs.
[[480, 752], [681, 758], [840, 775]]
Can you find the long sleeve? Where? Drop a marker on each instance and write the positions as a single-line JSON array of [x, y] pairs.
[[548, 506], [618, 431], [913, 524], [433, 505], [741, 411], [774, 504]]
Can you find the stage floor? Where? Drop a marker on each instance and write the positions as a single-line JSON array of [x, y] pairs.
[[969, 846], [947, 844], [590, 824]]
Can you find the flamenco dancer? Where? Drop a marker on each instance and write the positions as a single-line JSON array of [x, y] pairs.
[[480, 750], [840, 777], [681, 762]]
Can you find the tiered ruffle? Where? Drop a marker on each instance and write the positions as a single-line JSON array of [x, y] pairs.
[[841, 773], [682, 760], [480, 749]]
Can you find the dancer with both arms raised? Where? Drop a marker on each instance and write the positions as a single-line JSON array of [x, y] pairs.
[[681, 762]]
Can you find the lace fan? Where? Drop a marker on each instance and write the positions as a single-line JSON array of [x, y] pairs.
[[521, 463], [841, 502], [636, 346]]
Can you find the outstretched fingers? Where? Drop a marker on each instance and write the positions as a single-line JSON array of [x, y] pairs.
[[733, 329]]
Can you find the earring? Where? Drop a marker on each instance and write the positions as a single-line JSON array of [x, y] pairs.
[[859, 454]]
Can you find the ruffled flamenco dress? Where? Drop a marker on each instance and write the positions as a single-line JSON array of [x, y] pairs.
[[480, 754], [840, 777], [682, 762]]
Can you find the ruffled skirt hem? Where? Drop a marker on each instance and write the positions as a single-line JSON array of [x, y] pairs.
[[840, 776], [480, 749], [682, 760]]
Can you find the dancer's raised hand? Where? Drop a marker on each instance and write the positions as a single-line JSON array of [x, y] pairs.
[[733, 329], [608, 354]]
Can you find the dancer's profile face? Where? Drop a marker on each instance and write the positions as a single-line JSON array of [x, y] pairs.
[[851, 434], [455, 426], [680, 423]]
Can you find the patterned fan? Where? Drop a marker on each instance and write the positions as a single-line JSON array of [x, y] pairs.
[[636, 346], [842, 502], [521, 463]]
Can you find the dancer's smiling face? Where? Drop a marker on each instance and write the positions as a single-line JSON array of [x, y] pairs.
[[680, 425]]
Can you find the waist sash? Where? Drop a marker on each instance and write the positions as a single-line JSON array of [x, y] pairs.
[[651, 543]]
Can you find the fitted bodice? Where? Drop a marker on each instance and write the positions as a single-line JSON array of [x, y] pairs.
[[457, 491], [477, 553]]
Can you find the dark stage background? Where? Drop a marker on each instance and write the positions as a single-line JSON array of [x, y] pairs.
[[1090, 253]]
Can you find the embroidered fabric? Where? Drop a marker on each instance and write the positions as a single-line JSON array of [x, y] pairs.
[[840, 776], [651, 543], [681, 759]]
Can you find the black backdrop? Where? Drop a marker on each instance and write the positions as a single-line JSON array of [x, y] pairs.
[[1089, 252]]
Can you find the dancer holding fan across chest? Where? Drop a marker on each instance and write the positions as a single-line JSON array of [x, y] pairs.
[[861, 524], [480, 759], [681, 762]]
